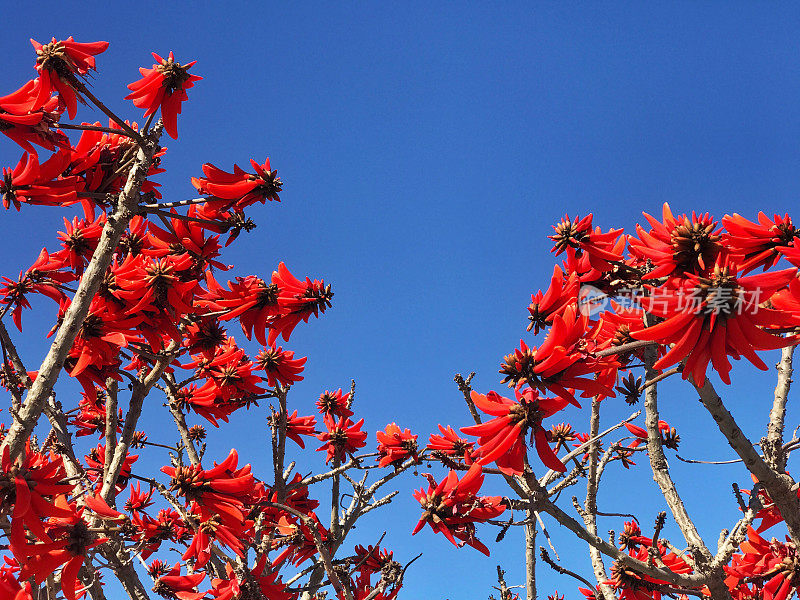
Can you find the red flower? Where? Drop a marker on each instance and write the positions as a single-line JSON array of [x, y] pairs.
[[95, 461], [583, 438], [545, 306], [228, 588], [91, 418], [204, 336], [156, 284], [239, 189], [224, 528], [172, 584], [394, 446], [772, 565], [335, 403], [251, 299], [678, 245], [721, 318], [79, 242], [101, 160], [281, 366], [221, 490], [631, 537], [669, 435], [58, 63], [163, 86], [65, 541], [297, 426], [372, 558], [343, 437], [768, 513], [563, 361], [270, 583], [298, 300], [595, 594], [104, 330], [502, 440], [41, 278], [576, 236], [137, 500], [561, 435], [452, 507], [302, 545], [11, 588], [451, 444], [29, 487], [26, 126], [760, 244], [615, 328], [152, 532], [32, 183], [633, 585], [189, 235]]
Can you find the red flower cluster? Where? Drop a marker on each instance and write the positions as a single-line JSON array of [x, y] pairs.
[[453, 506], [59, 64], [158, 318], [502, 440], [217, 499], [395, 446], [277, 306], [764, 569], [163, 86], [341, 438]]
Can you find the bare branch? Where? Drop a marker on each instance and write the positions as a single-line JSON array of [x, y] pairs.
[[140, 392], [464, 387], [773, 448], [561, 570], [660, 468], [780, 486]]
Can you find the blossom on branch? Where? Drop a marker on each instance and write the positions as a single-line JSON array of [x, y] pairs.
[[452, 507], [163, 86], [502, 440]]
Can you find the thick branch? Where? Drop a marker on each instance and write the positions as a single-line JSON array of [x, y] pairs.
[[540, 502], [530, 555], [780, 486], [111, 424], [79, 307], [590, 506], [658, 463], [335, 500], [140, 392], [180, 419], [773, 449]]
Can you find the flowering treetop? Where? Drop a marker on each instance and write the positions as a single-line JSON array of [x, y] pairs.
[[141, 305]]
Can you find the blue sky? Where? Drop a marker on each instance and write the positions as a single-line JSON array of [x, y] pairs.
[[426, 152]]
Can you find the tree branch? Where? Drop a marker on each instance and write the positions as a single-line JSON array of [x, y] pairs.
[[660, 468], [79, 307], [780, 486], [773, 449]]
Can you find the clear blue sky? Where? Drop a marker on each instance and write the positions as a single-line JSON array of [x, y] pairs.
[[426, 152]]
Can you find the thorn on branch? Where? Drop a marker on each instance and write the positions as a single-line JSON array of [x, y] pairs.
[[739, 499], [652, 552], [505, 527]]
